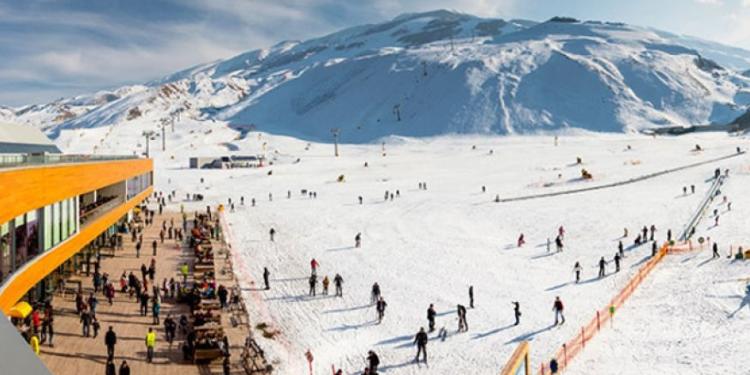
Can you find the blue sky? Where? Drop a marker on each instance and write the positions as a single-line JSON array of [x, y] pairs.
[[56, 48]]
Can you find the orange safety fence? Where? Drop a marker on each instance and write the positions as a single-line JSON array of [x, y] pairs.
[[572, 348]]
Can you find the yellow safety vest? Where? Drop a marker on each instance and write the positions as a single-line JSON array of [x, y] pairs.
[[151, 339]]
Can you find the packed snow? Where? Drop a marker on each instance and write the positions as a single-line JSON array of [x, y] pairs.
[[429, 246]]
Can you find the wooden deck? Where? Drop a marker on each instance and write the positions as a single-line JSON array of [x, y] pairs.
[[74, 354]]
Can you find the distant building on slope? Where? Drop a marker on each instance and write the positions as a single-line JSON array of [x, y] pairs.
[[227, 162]]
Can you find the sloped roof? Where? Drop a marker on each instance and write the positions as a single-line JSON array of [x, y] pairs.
[[19, 138]]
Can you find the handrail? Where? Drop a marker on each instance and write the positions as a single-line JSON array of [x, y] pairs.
[[17, 160]]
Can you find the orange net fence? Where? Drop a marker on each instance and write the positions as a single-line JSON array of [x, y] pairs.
[[572, 348]]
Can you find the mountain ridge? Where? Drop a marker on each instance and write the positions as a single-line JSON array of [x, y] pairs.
[[432, 73]]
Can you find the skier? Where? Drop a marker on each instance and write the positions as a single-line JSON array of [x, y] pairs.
[[521, 240], [617, 262], [602, 266], [561, 232], [558, 308], [314, 266], [266, 275], [242, 200], [386, 195], [421, 341], [716, 221], [375, 293], [271, 233], [669, 235], [270, 197], [252, 201], [517, 312], [625, 233], [653, 248], [313, 282], [360, 199], [337, 281], [380, 308], [645, 233], [497, 198], [653, 230], [463, 326], [288, 194], [577, 270], [729, 206], [484, 189], [716, 250], [471, 296], [431, 317], [684, 190], [620, 249], [358, 240], [692, 189], [559, 243]]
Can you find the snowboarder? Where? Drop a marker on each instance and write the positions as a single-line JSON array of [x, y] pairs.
[[337, 282], [521, 240], [617, 262], [313, 283], [431, 317], [471, 296], [380, 308], [602, 267], [358, 240], [558, 308], [517, 312], [463, 326], [266, 275], [577, 270], [271, 233], [375, 293], [421, 340]]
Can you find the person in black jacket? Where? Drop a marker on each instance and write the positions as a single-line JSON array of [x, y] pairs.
[[421, 341], [110, 367], [266, 275], [431, 317], [373, 361], [110, 339], [124, 368]]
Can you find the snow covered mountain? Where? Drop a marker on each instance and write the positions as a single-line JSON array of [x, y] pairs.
[[433, 73]]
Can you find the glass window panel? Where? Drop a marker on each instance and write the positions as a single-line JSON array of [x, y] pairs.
[[72, 216], [63, 220], [5, 259], [47, 227], [55, 223]]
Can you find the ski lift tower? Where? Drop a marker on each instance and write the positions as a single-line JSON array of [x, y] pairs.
[[148, 134], [335, 132]]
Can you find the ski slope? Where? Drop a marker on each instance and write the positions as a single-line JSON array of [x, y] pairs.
[[430, 246]]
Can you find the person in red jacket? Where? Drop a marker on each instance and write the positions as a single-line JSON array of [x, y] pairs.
[[558, 308], [314, 266]]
